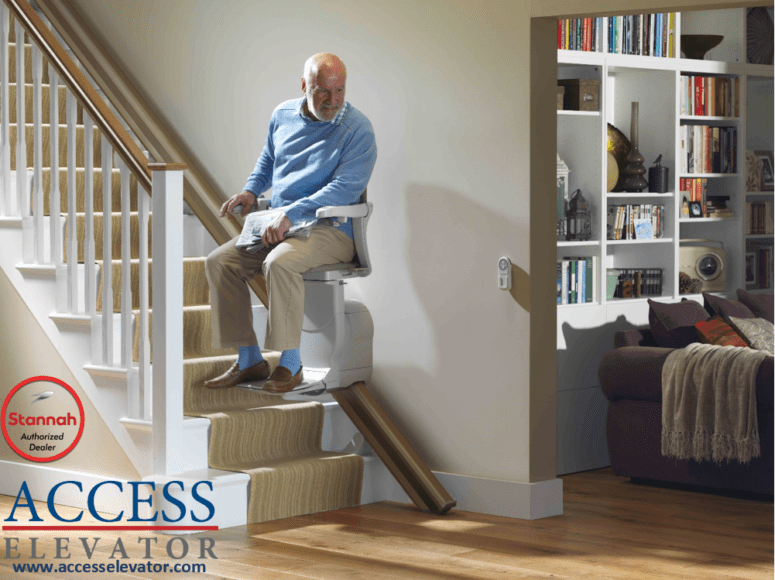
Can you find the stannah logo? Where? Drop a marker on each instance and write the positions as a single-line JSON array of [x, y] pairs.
[[42, 419]]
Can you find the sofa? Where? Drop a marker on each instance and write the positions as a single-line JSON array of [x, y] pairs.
[[631, 378]]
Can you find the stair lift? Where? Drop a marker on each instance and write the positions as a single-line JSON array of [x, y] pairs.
[[336, 351]]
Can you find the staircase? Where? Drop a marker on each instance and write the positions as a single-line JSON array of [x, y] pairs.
[[268, 457]]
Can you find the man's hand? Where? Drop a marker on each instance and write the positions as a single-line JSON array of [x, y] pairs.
[[245, 198], [275, 231]]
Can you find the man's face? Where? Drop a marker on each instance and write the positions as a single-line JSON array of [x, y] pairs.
[[325, 93]]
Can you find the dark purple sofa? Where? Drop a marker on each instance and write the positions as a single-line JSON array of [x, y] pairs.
[[631, 379]]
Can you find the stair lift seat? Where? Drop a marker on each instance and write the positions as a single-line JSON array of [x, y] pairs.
[[337, 334]]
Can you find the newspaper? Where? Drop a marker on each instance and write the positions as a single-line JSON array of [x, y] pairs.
[[257, 222]]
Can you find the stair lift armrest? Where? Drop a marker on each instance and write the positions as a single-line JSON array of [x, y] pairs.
[[340, 212], [261, 204]]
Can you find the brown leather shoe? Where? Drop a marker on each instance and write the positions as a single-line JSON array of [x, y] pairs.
[[235, 376], [281, 381]]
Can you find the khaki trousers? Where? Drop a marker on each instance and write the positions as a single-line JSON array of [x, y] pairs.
[[228, 270]]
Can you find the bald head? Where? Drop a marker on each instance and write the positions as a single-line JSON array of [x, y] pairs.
[[323, 85]]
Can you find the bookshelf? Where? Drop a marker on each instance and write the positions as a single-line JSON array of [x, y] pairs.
[[661, 85]]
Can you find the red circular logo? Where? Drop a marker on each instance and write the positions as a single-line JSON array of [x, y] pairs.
[[42, 419]]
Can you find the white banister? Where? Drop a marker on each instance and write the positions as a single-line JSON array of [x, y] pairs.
[[126, 269], [22, 203], [90, 282], [107, 254], [5, 146], [37, 146], [144, 360], [167, 250], [54, 199], [72, 225]]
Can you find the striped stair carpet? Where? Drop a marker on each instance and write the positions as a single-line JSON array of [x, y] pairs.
[[276, 442]]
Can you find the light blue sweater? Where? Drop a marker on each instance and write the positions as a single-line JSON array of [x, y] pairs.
[[310, 164]]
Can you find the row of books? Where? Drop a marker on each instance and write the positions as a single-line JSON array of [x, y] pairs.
[[636, 222], [634, 282], [760, 272], [758, 217], [707, 149], [710, 96], [636, 34], [576, 280], [694, 189]]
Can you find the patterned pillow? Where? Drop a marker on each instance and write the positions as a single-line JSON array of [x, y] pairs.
[[716, 331], [757, 332]]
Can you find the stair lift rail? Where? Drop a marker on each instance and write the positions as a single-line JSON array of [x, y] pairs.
[[63, 246]]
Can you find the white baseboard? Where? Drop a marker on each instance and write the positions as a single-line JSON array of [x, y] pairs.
[[512, 499]]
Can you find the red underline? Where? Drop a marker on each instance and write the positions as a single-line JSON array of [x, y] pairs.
[[110, 528]]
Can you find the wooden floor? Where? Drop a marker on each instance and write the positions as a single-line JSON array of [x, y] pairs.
[[611, 528]]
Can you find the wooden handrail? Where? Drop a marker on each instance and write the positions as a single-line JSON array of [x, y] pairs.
[[87, 97], [198, 190]]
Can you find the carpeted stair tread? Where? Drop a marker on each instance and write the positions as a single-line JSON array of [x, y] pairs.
[[45, 104], [46, 157], [195, 288], [27, 64], [115, 235], [199, 401], [80, 186], [197, 339], [280, 448]]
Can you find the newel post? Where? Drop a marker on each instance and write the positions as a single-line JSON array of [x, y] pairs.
[[167, 335]]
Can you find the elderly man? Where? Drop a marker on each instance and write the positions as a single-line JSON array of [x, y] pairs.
[[320, 151]]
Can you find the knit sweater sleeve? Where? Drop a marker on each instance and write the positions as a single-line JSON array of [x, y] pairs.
[[261, 178], [348, 180]]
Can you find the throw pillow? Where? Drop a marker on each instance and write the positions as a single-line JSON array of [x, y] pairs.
[[716, 331], [760, 304], [717, 306], [672, 325], [758, 332]]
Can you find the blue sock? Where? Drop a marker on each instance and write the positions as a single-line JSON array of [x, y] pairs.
[[249, 356], [291, 360]]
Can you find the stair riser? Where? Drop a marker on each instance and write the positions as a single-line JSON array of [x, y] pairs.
[[45, 105], [27, 64], [80, 181], [195, 288], [46, 147], [115, 234], [197, 340]]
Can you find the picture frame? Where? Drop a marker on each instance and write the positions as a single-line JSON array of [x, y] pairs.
[[750, 268], [767, 167], [695, 209]]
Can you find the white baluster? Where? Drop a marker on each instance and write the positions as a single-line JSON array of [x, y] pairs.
[[167, 250], [90, 283], [22, 202], [72, 239], [107, 254], [126, 270], [54, 199], [5, 146], [37, 164], [143, 202]]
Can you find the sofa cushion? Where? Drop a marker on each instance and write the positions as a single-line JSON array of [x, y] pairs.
[[716, 331], [672, 325], [760, 304], [717, 306], [757, 332]]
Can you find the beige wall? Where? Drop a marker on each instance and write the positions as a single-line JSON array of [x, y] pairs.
[[32, 354], [467, 370]]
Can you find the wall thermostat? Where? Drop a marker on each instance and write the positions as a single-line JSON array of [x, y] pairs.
[[504, 273]]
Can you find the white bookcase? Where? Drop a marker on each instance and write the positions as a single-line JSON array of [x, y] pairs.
[[585, 331]]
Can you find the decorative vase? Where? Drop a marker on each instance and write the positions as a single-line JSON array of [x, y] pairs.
[[635, 170]]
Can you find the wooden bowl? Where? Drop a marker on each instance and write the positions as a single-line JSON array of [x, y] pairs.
[[696, 45]]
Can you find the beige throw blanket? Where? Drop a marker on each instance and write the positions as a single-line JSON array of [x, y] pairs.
[[709, 403]]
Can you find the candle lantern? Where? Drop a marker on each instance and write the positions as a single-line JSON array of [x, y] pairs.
[[578, 219]]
